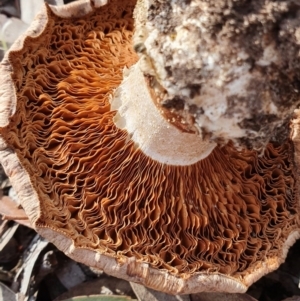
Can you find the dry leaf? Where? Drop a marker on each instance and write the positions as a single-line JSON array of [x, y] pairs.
[[11, 211]]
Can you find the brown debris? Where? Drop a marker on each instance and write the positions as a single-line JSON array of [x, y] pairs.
[[11, 211]]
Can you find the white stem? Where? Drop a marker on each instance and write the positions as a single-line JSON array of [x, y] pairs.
[[233, 66], [151, 132]]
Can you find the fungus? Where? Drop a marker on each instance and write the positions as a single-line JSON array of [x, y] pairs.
[[121, 184]]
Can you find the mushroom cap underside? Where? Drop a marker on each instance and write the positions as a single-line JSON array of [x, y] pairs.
[[216, 225]]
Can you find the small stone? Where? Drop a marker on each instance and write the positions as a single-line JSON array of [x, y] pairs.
[[12, 29], [29, 9]]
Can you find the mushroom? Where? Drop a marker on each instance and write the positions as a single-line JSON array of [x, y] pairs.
[[123, 178], [229, 70]]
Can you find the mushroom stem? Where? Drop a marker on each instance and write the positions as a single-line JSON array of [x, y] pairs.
[[156, 136], [234, 65]]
